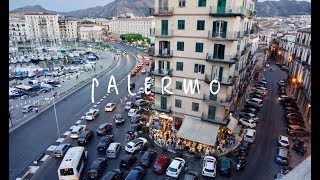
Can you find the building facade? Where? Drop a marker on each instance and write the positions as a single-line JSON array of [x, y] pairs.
[[136, 25], [286, 48], [300, 71], [90, 32], [205, 41], [42, 26], [17, 30], [68, 28]]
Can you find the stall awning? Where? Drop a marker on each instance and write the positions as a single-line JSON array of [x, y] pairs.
[[232, 123], [194, 129]]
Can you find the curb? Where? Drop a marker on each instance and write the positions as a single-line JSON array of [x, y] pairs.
[[67, 92]]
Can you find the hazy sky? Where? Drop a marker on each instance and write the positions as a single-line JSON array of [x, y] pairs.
[[63, 5]]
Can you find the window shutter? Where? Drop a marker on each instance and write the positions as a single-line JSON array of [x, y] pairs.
[[221, 51], [224, 32], [215, 51], [196, 68], [168, 65], [202, 69], [214, 27]]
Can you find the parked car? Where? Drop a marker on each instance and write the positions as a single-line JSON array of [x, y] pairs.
[[92, 114], [291, 108], [134, 72], [137, 118], [255, 95], [175, 167], [249, 116], [250, 135], [97, 167], [161, 164], [141, 102], [114, 174], [118, 119], [251, 106], [61, 150], [293, 115], [104, 128], [135, 145], [248, 122], [134, 127], [281, 83], [295, 130], [104, 142], [129, 105], [244, 146], [224, 167], [282, 156], [110, 107], [136, 173], [138, 95], [143, 70], [294, 122], [127, 161], [147, 158], [85, 137], [283, 141], [255, 101], [209, 166], [248, 110], [29, 108], [132, 112]]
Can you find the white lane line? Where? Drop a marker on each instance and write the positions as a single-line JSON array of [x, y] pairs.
[[60, 140], [118, 84], [33, 169], [104, 97], [98, 102], [78, 122], [45, 157], [67, 133], [94, 106], [52, 148], [101, 99]]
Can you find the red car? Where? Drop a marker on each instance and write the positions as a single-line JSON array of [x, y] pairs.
[[133, 73], [295, 122], [161, 164]]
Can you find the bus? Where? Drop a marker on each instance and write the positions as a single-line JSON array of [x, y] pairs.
[[72, 163]]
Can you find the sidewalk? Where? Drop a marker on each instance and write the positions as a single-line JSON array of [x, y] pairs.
[[67, 86]]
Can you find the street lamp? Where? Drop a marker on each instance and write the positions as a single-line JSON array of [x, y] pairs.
[[55, 113]]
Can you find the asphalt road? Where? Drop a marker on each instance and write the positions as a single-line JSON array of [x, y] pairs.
[[35, 136]]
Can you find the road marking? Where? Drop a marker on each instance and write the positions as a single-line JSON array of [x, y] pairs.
[[104, 97], [98, 102], [60, 140], [78, 122], [21, 104], [16, 105], [33, 169], [66, 133], [72, 127], [101, 99], [94, 106], [118, 84], [52, 148], [45, 157]]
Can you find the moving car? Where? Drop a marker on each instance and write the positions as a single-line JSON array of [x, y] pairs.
[[209, 166], [92, 114], [283, 141], [104, 128], [141, 102], [137, 118], [76, 131], [85, 137], [97, 167], [247, 122], [281, 83], [135, 145], [136, 173], [132, 112], [147, 158], [128, 161], [133, 128], [249, 135], [110, 107], [61, 150], [113, 150], [282, 156], [104, 142], [129, 105], [175, 167], [114, 174], [224, 167], [161, 164], [118, 119]]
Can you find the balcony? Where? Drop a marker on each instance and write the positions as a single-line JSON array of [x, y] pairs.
[[163, 34], [218, 101], [228, 59], [251, 14], [229, 36], [157, 90], [162, 73], [229, 11], [165, 53], [161, 11], [216, 120], [228, 81], [159, 108]]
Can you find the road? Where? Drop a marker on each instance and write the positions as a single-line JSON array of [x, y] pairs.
[[35, 136]]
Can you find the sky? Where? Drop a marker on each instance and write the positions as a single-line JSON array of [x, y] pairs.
[[64, 5]]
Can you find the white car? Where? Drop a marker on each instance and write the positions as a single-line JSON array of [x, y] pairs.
[[135, 145], [283, 141], [250, 135], [253, 117], [132, 112], [175, 167], [209, 166], [143, 71], [248, 122], [92, 114], [110, 107], [267, 65], [76, 131]]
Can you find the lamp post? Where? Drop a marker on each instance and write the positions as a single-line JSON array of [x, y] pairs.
[[55, 113]]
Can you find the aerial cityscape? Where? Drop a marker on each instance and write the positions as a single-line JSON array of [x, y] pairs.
[[160, 89]]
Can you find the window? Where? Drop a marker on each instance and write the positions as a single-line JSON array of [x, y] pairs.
[[180, 46], [181, 24], [182, 3], [179, 85], [178, 103], [219, 29], [200, 24], [179, 66], [202, 3], [199, 68], [199, 47], [218, 51], [195, 106]]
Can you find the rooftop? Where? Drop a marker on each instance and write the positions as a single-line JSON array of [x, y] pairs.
[[302, 171], [308, 30]]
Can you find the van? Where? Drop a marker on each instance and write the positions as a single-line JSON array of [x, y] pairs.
[[255, 101], [113, 150], [75, 133]]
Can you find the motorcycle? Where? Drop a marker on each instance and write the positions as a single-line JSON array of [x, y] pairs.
[[241, 164]]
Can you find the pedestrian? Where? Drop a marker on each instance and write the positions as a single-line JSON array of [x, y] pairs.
[[101, 66], [121, 101], [207, 152], [147, 125]]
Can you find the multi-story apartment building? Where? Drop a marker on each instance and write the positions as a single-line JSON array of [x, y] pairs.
[[104, 23], [286, 48], [203, 40], [136, 25], [17, 30], [68, 28], [300, 71], [42, 26], [90, 32]]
